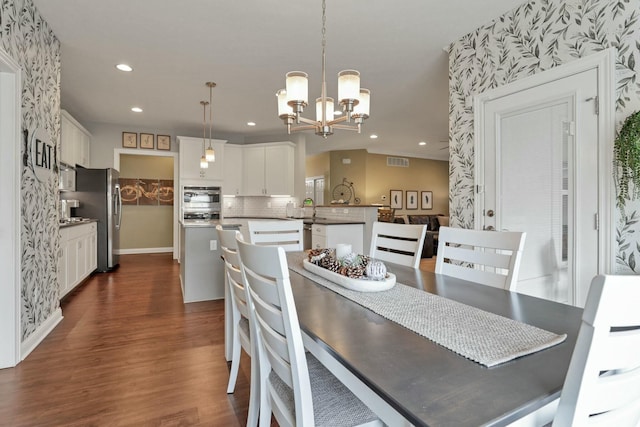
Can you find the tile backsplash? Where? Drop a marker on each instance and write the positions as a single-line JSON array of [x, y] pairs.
[[246, 206]]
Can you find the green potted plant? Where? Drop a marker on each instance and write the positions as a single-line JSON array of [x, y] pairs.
[[626, 152]]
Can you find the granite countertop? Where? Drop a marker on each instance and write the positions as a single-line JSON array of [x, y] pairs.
[[76, 221], [325, 221], [195, 223], [343, 205]]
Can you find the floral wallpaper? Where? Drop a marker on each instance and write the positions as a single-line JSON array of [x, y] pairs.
[[27, 38], [534, 37]]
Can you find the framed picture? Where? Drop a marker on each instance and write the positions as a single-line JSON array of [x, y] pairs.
[[412, 199], [426, 200], [129, 139], [164, 142], [146, 140], [396, 199]]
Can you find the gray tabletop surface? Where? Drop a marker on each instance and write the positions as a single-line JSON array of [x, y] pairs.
[[426, 383]]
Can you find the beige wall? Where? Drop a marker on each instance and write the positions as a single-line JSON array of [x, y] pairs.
[[421, 175], [372, 178], [355, 171], [146, 227]]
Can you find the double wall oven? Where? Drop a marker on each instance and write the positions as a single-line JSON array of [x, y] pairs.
[[200, 203]]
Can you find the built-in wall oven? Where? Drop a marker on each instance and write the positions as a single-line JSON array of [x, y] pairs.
[[200, 203]]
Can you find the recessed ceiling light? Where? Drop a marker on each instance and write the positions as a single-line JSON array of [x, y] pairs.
[[124, 67], [136, 109], [337, 113], [422, 143], [251, 123], [373, 136]]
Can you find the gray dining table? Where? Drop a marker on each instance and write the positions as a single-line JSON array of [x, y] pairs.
[[409, 380]]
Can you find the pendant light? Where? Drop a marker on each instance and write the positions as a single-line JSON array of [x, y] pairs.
[[210, 153], [203, 160]]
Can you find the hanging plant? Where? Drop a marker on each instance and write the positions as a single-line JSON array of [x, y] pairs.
[[626, 152]]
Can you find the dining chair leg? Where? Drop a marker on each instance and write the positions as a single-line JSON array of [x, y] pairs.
[[235, 361], [254, 393], [265, 403]]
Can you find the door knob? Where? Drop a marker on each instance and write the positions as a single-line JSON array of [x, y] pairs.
[[489, 228], [490, 213]]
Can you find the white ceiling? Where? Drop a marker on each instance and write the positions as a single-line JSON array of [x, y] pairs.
[[246, 47]]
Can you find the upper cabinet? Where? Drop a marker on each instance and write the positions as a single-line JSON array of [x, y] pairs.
[[75, 142], [191, 150], [232, 184], [268, 169]]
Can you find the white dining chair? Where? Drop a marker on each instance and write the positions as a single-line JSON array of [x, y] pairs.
[[397, 243], [486, 257], [294, 386], [287, 234], [602, 386], [240, 325]]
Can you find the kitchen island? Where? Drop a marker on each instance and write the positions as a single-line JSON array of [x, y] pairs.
[[201, 265]]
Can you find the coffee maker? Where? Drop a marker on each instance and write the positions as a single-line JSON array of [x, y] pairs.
[[65, 208]]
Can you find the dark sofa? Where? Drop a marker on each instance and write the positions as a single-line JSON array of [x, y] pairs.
[[433, 222]]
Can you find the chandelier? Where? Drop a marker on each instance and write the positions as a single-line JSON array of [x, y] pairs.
[[353, 99], [208, 154]]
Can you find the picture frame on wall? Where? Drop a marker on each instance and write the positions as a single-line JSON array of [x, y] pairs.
[[426, 200], [164, 142], [412, 200], [146, 140], [395, 199], [129, 139]]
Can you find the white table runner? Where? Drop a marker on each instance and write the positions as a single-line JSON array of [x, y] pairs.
[[485, 338]]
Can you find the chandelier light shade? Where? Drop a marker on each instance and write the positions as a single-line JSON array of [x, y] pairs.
[[294, 98], [203, 160]]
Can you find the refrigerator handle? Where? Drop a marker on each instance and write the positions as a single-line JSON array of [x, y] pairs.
[[118, 205]]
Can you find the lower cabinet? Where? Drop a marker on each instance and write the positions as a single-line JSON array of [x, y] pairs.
[[78, 255], [328, 236]]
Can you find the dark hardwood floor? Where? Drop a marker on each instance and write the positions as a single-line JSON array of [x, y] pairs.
[[128, 353]]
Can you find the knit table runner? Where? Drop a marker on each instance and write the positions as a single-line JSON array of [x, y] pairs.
[[485, 338]]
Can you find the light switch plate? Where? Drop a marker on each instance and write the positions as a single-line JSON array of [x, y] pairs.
[[213, 245]]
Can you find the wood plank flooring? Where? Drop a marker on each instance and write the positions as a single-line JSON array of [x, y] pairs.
[[129, 353]]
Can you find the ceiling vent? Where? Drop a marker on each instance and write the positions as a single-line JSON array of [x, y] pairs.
[[398, 162]]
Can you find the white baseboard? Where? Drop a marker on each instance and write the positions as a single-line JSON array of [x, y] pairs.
[[144, 251], [32, 341]]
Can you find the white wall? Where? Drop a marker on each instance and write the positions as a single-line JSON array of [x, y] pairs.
[[106, 137]]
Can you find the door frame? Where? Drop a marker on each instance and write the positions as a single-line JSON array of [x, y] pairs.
[[10, 259], [176, 225], [604, 63]]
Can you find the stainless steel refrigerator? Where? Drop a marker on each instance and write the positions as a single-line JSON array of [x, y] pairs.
[[98, 192]]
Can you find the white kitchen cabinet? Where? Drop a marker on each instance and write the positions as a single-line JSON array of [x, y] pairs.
[[329, 235], [75, 142], [190, 151], [78, 255], [268, 169], [232, 184]]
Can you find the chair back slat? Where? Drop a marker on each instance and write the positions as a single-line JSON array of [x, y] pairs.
[[267, 279], [602, 386], [473, 275], [397, 243], [287, 234], [487, 257]]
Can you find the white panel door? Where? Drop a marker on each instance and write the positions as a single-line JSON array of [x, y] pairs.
[[540, 163]]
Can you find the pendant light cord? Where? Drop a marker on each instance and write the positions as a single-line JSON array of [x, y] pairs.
[[324, 80], [210, 112]]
